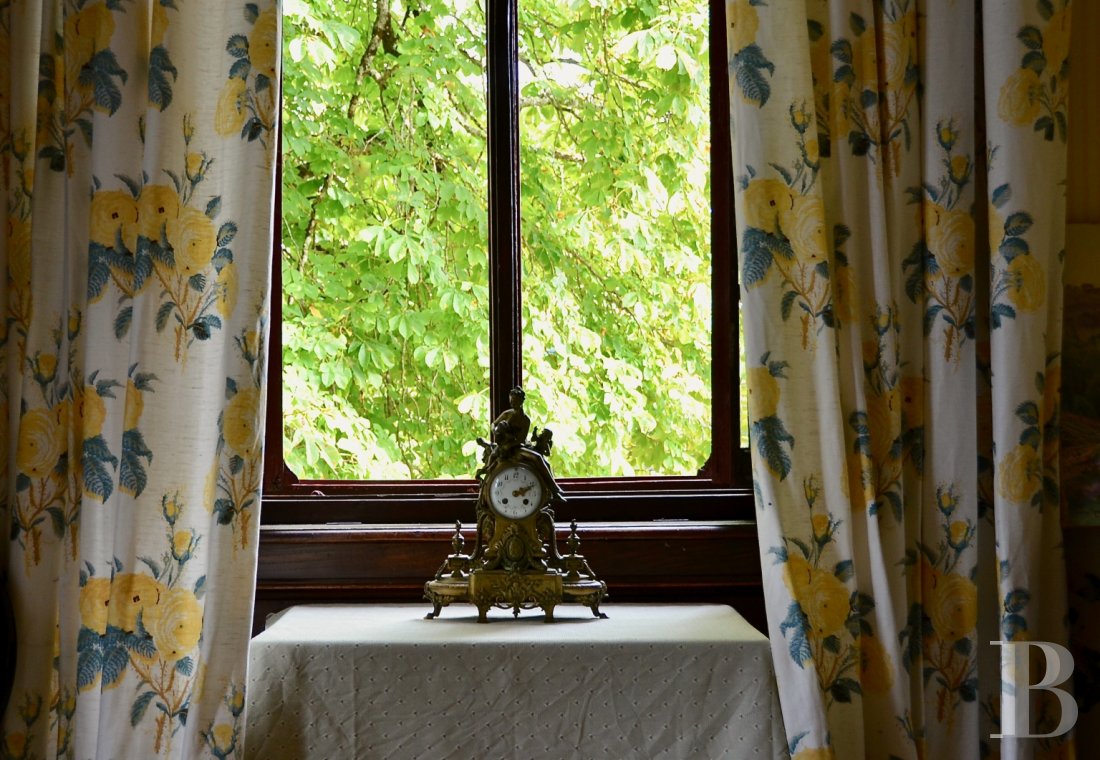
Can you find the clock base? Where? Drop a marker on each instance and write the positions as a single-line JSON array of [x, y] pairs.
[[516, 591]]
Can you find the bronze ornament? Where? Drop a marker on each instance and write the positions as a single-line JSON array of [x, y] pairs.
[[515, 563]]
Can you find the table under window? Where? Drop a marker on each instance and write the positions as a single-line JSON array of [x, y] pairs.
[[380, 681]]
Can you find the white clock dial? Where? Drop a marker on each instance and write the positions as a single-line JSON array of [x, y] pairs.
[[515, 492]]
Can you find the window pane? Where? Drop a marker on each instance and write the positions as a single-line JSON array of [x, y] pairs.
[[615, 154], [385, 282]]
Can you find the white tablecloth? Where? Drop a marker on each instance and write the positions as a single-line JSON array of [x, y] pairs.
[[337, 682]]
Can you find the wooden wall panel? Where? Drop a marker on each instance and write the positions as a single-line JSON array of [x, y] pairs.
[[1083, 180], [717, 563]]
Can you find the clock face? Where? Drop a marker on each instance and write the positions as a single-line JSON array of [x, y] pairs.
[[515, 492]]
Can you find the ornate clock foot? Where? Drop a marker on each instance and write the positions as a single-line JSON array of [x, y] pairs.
[[549, 610], [481, 614], [434, 613]]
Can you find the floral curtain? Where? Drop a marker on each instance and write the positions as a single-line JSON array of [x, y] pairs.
[[137, 148], [899, 173]]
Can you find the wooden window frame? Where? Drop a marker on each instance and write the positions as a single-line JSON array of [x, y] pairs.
[[652, 538]]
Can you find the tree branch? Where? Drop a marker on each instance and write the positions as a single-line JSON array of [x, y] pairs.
[[382, 34]]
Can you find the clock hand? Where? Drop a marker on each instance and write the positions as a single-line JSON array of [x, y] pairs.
[[522, 491]]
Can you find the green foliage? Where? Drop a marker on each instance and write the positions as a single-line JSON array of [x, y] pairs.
[[385, 316]]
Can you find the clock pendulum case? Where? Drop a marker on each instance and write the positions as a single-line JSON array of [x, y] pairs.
[[515, 563]]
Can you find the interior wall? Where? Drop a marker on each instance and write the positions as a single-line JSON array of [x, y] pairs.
[[1083, 266], [1083, 189]]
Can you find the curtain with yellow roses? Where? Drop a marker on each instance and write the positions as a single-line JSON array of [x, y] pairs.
[[136, 149], [899, 173]]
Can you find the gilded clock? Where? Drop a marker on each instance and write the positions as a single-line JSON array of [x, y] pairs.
[[515, 562]]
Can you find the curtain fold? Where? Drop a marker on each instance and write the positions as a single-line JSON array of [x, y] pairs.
[[899, 187], [137, 149]]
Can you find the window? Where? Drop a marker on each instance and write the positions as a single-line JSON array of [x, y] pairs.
[[568, 185]]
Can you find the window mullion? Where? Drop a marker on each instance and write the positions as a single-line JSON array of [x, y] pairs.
[[724, 290], [502, 95]]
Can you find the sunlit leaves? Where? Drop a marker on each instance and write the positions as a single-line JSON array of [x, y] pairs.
[[384, 237], [384, 234], [615, 189]]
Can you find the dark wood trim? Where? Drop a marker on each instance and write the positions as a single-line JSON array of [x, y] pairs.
[[691, 562], [274, 465], [505, 299], [711, 495], [725, 430], [9, 642], [444, 507], [277, 476]]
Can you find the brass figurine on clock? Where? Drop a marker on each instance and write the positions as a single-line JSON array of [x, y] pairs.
[[515, 562]]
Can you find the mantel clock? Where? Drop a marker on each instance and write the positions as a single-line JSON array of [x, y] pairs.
[[515, 562]]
